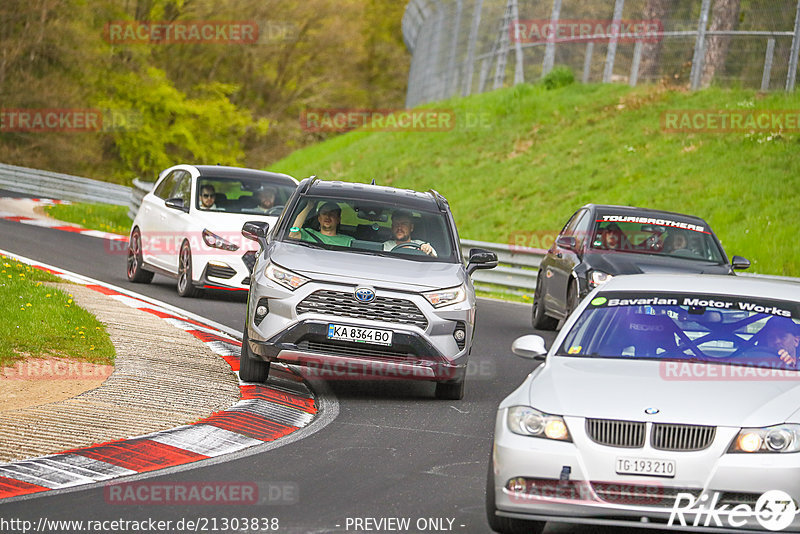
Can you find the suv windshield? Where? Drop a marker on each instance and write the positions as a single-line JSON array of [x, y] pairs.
[[231, 195], [372, 227], [669, 326], [655, 236]]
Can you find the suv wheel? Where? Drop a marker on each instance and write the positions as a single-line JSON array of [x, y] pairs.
[[539, 319], [251, 369], [450, 390]]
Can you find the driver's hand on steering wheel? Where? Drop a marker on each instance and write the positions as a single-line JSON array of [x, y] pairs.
[[427, 249], [786, 358]]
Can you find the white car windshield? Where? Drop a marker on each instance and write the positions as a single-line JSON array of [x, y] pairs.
[[231, 195], [682, 326]]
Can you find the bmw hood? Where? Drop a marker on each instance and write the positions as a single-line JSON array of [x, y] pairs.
[[355, 268], [633, 263], [682, 392]]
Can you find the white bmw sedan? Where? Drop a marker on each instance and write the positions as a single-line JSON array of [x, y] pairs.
[[189, 226], [665, 401]]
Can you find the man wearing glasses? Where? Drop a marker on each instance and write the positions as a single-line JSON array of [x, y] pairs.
[[207, 197]]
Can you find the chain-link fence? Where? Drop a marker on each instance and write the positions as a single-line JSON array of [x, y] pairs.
[[460, 47]]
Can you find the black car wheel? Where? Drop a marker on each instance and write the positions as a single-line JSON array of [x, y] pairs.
[[136, 273], [250, 368], [539, 319], [185, 286], [506, 525], [572, 298]]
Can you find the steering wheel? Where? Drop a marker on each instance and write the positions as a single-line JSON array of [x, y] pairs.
[[274, 210], [407, 245]]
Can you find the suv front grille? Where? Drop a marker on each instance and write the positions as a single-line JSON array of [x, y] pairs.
[[362, 351], [342, 304], [614, 433], [681, 437]]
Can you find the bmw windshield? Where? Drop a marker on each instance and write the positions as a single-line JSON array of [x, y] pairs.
[[675, 326]]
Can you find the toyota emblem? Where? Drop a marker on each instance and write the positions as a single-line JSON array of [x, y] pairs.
[[364, 294]]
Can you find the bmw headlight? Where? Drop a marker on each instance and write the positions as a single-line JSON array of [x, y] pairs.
[[445, 297], [284, 277], [528, 421], [215, 241], [778, 438], [599, 277]]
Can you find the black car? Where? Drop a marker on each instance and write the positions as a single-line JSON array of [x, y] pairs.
[[599, 242]]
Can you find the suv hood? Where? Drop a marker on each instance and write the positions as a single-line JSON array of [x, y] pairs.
[[357, 268], [634, 263]]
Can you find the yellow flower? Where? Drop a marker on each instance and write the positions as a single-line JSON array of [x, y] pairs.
[[70, 301], [28, 304], [48, 295]]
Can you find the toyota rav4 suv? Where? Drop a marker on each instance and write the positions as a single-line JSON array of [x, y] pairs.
[[360, 280]]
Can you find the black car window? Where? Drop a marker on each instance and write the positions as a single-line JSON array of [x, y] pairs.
[[569, 228], [166, 186], [582, 229], [183, 187]]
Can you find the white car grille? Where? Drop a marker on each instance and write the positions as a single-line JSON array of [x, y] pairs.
[[629, 434]]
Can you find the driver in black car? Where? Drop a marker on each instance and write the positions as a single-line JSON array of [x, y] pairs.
[[402, 227]]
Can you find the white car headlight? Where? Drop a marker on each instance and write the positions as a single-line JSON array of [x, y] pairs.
[[528, 421], [215, 241], [284, 277], [778, 438], [445, 297], [599, 277]]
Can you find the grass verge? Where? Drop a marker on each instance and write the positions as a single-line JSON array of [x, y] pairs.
[[103, 217], [42, 321]]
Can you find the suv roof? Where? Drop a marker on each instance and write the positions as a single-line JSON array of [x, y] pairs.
[[430, 200], [639, 211]]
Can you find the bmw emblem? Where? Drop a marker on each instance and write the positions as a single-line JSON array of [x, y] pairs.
[[651, 411], [364, 294]]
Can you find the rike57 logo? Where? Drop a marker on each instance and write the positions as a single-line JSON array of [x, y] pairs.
[[774, 510]]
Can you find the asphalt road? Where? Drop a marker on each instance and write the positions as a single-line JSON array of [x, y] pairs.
[[393, 451]]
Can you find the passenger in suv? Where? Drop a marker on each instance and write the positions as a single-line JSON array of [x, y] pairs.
[[351, 307]]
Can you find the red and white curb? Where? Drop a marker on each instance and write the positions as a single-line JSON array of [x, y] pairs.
[[264, 413], [51, 223]]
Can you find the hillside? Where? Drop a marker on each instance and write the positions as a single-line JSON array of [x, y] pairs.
[[536, 155]]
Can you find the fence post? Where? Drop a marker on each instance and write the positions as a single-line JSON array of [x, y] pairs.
[[767, 65], [473, 37], [700, 46], [587, 61], [637, 58], [502, 51], [550, 48], [791, 76], [452, 79], [519, 71], [612, 42]]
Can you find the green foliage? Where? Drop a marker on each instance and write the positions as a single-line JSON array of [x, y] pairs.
[[560, 76], [521, 160], [103, 217]]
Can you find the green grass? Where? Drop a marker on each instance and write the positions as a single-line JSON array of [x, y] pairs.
[[529, 157], [104, 217], [41, 321]]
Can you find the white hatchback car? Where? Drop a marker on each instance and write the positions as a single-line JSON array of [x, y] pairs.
[[189, 226]]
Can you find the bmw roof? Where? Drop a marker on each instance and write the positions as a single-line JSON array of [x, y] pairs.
[[746, 286]]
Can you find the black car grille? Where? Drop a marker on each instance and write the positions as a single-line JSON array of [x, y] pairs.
[[218, 271], [342, 304], [614, 433], [623, 494], [249, 259], [681, 437], [734, 498], [356, 352]]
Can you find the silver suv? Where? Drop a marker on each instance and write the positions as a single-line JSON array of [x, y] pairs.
[[360, 280]]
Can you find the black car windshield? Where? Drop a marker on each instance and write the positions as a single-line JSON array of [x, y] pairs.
[[371, 227], [231, 195], [681, 326], [661, 236]]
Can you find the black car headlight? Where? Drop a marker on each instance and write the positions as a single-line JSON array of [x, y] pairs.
[[528, 421], [597, 278], [771, 439]]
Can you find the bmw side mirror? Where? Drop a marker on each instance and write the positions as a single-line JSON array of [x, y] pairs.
[[530, 347], [738, 262], [480, 259], [567, 241], [256, 231], [176, 204]]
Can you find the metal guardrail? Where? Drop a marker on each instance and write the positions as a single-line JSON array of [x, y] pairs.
[[48, 184], [516, 269], [138, 191]]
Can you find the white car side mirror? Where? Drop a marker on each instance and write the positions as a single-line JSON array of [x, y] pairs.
[[530, 347]]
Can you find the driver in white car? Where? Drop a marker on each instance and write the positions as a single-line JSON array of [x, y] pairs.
[[402, 227], [266, 199]]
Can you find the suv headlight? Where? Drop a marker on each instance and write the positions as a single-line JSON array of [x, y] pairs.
[[528, 421], [284, 277], [771, 439], [599, 277], [215, 241], [445, 297]]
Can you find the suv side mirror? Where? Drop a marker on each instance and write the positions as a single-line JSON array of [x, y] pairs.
[[256, 231], [480, 259], [176, 204], [738, 262], [567, 241], [530, 347]]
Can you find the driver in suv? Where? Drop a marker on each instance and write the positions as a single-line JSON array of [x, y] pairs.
[[344, 304]]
